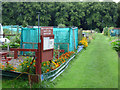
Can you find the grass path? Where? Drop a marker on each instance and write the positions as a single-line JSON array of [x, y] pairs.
[[95, 67]]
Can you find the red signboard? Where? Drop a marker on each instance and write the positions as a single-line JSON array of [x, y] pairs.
[[47, 43], [46, 31]]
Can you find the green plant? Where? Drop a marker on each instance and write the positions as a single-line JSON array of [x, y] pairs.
[[7, 31], [28, 65], [61, 25], [14, 45], [9, 67], [4, 46], [97, 30], [116, 45], [24, 24]]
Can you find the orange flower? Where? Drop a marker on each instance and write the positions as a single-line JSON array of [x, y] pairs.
[[7, 62], [27, 57], [55, 60], [34, 65], [30, 62], [47, 70], [15, 68], [19, 64], [2, 65], [51, 67]]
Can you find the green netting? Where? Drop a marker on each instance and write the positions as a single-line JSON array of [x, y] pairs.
[[61, 36], [115, 32]]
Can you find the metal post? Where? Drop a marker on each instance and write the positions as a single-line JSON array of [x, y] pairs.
[[38, 25], [38, 66]]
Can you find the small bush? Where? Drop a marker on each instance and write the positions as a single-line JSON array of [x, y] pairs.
[[116, 45], [97, 30], [61, 25]]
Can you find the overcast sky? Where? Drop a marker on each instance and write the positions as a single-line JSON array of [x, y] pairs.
[[113, 0]]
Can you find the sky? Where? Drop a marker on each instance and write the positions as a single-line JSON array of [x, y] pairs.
[[116, 1], [113, 0]]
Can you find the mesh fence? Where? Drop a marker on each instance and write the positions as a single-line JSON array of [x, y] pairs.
[[115, 32], [13, 28], [64, 37]]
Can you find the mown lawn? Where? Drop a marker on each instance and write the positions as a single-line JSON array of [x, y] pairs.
[[95, 67]]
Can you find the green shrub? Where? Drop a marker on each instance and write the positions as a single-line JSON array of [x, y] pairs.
[[116, 45], [61, 25], [97, 30]]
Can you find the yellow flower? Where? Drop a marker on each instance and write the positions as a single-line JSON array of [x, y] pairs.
[[23, 63], [44, 64], [19, 60], [27, 66], [34, 61]]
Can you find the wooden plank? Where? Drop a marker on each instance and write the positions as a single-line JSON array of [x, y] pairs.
[[7, 34], [68, 47], [17, 49], [29, 43], [3, 53]]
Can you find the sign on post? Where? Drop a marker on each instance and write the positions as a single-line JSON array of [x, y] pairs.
[[47, 43]]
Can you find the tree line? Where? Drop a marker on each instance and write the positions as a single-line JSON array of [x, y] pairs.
[[86, 15]]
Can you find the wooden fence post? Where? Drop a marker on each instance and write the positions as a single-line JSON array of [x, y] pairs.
[[68, 47], [17, 29], [58, 50]]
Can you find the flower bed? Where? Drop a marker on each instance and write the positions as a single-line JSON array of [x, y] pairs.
[[27, 64]]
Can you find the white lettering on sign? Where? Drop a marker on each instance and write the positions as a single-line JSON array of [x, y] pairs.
[[48, 43], [46, 33]]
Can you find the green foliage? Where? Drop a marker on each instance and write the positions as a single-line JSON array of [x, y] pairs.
[[118, 20], [61, 25], [88, 15], [27, 65], [9, 67], [106, 31], [7, 31], [4, 46], [97, 30], [14, 45], [116, 45]]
